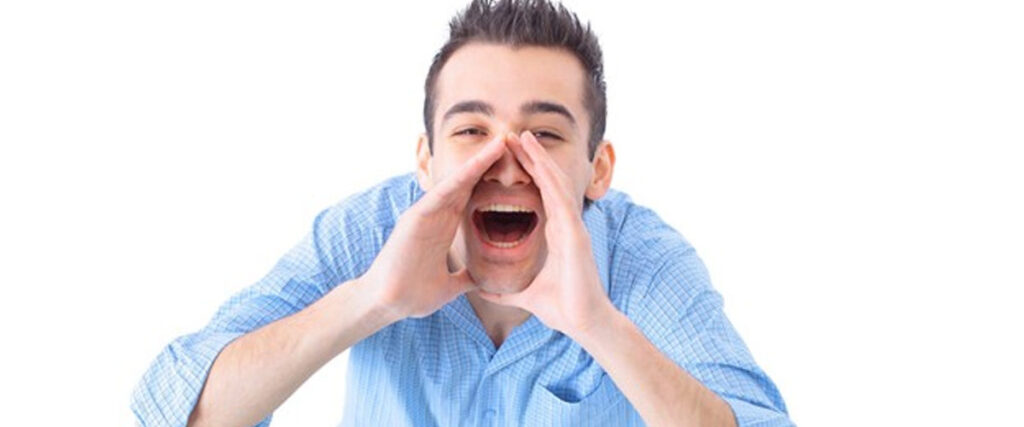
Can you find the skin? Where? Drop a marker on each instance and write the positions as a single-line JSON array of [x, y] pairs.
[[431, 256], [506, 79], [557, 280]]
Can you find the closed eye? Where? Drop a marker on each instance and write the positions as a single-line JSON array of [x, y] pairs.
[[542, 134], [538, 134], [470, 131]]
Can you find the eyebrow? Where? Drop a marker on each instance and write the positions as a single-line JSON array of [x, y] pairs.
[[528, 108]]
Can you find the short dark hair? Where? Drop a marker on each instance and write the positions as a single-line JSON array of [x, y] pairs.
[[525, 23]]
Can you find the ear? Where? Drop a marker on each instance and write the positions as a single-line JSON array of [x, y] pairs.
[[424, 173], [603, 166]]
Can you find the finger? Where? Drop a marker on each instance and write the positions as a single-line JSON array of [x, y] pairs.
[[515, 144], [549, 190], [548, 175], [457, 186], [522, 156], [542, 161]]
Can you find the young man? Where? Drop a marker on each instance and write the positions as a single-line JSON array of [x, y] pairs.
[[502, 283]]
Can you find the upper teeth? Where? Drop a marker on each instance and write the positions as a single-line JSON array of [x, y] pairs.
[[505, 208]]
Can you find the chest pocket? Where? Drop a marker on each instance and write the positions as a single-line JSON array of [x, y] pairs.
[[545, 408]]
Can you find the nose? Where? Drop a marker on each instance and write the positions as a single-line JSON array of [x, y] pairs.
[[507, 171]]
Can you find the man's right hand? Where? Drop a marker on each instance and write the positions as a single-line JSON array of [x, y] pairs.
[[255, 373], [410, 277]]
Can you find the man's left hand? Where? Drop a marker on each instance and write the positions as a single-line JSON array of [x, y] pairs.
[[567, 294]]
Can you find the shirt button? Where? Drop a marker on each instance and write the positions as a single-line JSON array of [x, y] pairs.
[[489, 416]]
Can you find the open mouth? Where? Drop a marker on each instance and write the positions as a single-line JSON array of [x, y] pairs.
[[504, 226]]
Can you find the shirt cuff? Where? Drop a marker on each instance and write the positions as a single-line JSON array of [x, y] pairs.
[[749, 414], [170, 388]]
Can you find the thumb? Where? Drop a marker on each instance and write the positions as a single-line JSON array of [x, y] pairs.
[[461, 282]]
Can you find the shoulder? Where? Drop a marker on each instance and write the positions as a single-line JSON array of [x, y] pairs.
[[390, 196], [638, 230], [377, 206], [354, 229], [648, 256]]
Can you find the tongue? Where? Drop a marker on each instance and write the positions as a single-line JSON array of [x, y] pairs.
[[504, 232], [505, 227]]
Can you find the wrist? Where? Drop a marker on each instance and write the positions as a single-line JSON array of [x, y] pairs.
[[379, 309], [602, 322], [339, 319]]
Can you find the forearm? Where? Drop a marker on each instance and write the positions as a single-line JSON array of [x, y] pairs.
[[254, 374], [661, 391]]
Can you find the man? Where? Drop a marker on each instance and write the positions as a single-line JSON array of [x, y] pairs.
[[503, 283]]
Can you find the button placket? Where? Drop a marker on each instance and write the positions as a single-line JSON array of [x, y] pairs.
[[489, 417], [488, 403]]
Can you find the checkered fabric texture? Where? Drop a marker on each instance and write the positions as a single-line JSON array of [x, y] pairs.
[[444, 370]]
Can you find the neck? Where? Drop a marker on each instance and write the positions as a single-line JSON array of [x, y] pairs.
[[498, 320]]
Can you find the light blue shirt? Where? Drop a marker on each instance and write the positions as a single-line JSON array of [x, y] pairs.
[[444, 370]]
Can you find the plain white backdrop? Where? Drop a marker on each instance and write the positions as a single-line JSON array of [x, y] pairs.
[[850, 173]]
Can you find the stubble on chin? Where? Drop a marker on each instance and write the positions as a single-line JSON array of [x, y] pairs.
[[499, 283]]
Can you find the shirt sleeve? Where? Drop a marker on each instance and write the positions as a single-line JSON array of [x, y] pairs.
[[682, 315], [171, 386]]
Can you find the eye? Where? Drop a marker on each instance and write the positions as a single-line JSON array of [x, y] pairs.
[[469, 131], [542, 134]]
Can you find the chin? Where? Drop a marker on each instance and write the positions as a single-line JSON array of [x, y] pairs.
[[495, 269], [501, 280]]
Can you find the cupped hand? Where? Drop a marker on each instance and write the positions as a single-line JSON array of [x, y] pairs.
[[410, 276], [567, 294]]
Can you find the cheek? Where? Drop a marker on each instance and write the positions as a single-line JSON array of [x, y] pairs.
[[578, 173], [446, 162]]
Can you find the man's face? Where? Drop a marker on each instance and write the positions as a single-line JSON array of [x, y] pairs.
[[484, 92]]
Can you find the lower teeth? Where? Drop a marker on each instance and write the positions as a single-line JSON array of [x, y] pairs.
[[506, 245]]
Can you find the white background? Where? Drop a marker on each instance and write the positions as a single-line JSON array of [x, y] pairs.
[[849, 172]]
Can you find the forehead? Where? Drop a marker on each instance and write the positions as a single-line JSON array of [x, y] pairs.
[[506, 77]]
